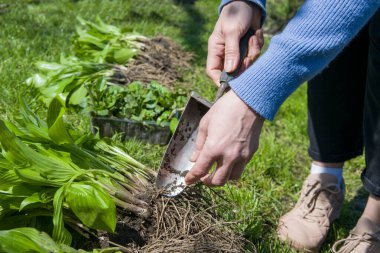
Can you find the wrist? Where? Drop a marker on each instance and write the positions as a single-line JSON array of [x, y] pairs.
[[255, 10], [249, 109], [257, 7], [257, 14]]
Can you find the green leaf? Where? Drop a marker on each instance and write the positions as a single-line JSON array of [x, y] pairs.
[[49, 164], [102, 112], [23, 190], [85, 159], [49, 66], [8, 205], [36, 133], [60, 233], [85, 37], [28, 115], [36, 80], [104, 28], [173, 124], [78, 96], [44, 196], [57, 129], [123, 55], [32, 176], [92, 206], [8, 179], [4, 164], [29, 240], [38, 218]]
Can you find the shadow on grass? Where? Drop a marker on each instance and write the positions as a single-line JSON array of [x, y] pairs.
[[185, 16], [352, 210], [193, 28]]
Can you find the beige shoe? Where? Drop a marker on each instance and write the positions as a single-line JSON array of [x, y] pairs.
[[364, 238], [305, 227]]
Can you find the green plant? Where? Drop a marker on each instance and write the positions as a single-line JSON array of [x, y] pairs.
[[151, 103], [74, 179], [70, 79], [92, 79], [102, 43], [31, 240]]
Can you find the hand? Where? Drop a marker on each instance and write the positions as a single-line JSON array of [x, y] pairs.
[[228, 135], [223, 45]]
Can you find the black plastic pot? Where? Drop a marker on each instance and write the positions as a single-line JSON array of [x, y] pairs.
[[148, 132]]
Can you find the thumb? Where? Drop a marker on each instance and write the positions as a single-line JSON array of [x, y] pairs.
[[231, 51]]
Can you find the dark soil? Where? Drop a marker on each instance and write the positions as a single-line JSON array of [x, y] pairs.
[[188, 223], [161, 60]]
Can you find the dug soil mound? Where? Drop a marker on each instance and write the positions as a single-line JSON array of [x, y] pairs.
[[188, 223], [160, 60]]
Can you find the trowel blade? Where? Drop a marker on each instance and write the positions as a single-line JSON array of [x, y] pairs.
[[176, 161]]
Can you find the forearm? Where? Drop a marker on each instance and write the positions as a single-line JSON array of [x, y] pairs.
[[314, 37]]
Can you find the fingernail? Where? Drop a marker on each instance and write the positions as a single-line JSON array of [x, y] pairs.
[[228, 65]]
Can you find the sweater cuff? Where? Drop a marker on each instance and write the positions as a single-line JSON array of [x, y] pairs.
[[259, 3]]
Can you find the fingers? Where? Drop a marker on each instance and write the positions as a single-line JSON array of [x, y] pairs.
[[231, 60], [237, 170], [215, 57], [224, 173], [221, 174], [200, 169], [224, 137], [260, 36], [201, 138], [223, 52], [203, 161], [254, 50]]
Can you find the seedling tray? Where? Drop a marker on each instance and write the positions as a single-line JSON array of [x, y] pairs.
[[148, 132]]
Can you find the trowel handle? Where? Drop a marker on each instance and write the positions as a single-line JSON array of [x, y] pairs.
[[225, 77]]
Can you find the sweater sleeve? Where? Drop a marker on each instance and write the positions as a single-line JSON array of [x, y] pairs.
[[260, 3], [312, 38]]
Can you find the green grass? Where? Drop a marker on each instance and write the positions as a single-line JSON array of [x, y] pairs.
[[41, 30]]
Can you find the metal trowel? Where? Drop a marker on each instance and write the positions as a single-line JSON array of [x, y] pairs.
[[176, 162]]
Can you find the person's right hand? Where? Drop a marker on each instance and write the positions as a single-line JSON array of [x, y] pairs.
[[223, 45]]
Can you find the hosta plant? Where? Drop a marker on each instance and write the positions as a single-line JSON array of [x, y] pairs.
[[62, 181]]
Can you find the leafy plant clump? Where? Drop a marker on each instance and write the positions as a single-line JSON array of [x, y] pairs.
[[106, 75], [56, 179], [102, 43], [153, 103]]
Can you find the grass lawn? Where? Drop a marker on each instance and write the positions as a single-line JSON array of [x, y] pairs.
[[41, 30]]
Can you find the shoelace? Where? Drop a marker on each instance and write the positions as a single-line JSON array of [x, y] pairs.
[[351, 242], [311, 211]]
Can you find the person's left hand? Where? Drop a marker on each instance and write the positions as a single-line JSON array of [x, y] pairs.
[[223, 45], [228, 135]]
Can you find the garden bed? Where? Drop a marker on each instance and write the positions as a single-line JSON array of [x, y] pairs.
[[131, 84]]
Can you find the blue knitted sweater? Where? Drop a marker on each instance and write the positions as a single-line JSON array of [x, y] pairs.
[[313, 38]]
